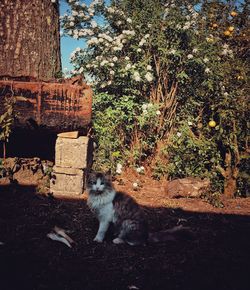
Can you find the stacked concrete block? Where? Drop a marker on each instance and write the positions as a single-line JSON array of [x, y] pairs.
[[71, 162]]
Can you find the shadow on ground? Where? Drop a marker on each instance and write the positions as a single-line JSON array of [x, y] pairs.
[[216, 256]]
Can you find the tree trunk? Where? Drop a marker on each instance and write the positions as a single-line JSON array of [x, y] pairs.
[[230, 187], [29, 39]]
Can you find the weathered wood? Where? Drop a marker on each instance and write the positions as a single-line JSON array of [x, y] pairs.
[[56, 106], [29, 39]]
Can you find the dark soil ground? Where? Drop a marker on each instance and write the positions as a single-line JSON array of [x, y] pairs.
[[214, 255]]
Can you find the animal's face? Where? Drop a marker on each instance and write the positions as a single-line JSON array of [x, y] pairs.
[[98, 183]]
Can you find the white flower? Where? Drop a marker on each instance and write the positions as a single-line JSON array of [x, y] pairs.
[[71, 23], [128, 66], [144, 106], [127, 58], [226, 94], [110, 10], [190, 123], [139, 50], [150, 105], [187, 25], [112, 64], [206, 59], [117, 48], [103, 62], [53, 1], [149, 77], [135, 185], [195, 50], [141, 43], [140, 169], [166, 12], [158, 112], [136, 76], [178, 134], [207, 70], [129, 20], [146, 36], [190, 56], [118, 168], [149, 67], [80, 70], [172, 51], [115, 58], [112, 72], [93, 24], [144, 112], [225, 46]]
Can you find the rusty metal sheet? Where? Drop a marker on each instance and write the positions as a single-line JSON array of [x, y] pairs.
[[56, 106]]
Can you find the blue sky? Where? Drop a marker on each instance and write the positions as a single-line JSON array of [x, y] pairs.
[[68, 44]]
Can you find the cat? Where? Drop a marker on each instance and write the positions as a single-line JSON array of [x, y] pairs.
[[111, 206]]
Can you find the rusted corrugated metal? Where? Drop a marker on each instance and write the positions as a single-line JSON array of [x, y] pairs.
[[56, 106]]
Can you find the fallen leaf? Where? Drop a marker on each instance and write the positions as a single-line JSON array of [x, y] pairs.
[[55, 237], [61, 232]]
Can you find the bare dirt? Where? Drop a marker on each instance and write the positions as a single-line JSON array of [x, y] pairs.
[[213, 255]]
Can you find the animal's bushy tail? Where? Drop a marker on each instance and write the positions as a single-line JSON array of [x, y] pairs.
[[168, 235]]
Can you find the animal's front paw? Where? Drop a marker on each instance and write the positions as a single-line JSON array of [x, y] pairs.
[[98, 239]]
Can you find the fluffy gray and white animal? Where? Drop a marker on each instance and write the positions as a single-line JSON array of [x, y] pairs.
[[111, 206]]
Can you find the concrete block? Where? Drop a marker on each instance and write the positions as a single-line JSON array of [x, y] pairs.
[[72, 153], [67, 181]]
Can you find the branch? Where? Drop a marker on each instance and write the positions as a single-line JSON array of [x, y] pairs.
[[222, 171]]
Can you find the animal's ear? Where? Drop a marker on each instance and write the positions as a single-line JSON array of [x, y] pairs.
[[108, 175], [91, 174]]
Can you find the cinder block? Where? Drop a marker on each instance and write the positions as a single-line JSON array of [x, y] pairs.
[[72, 153], [67, 181]]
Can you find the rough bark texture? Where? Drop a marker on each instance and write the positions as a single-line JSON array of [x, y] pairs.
[[29, 39]]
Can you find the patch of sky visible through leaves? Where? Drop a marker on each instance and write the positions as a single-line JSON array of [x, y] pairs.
[[69, 44]]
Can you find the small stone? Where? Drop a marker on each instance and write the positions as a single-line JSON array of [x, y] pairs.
[[187, 187]]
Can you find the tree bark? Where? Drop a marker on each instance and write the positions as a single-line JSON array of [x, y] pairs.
[[230, 187], [29, 39]]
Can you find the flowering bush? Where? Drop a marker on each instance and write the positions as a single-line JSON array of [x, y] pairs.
[[156, 69]]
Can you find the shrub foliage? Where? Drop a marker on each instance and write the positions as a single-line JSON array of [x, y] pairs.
[[170, 85]]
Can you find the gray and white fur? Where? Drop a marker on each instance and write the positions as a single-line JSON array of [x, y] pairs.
[[110, 206]]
